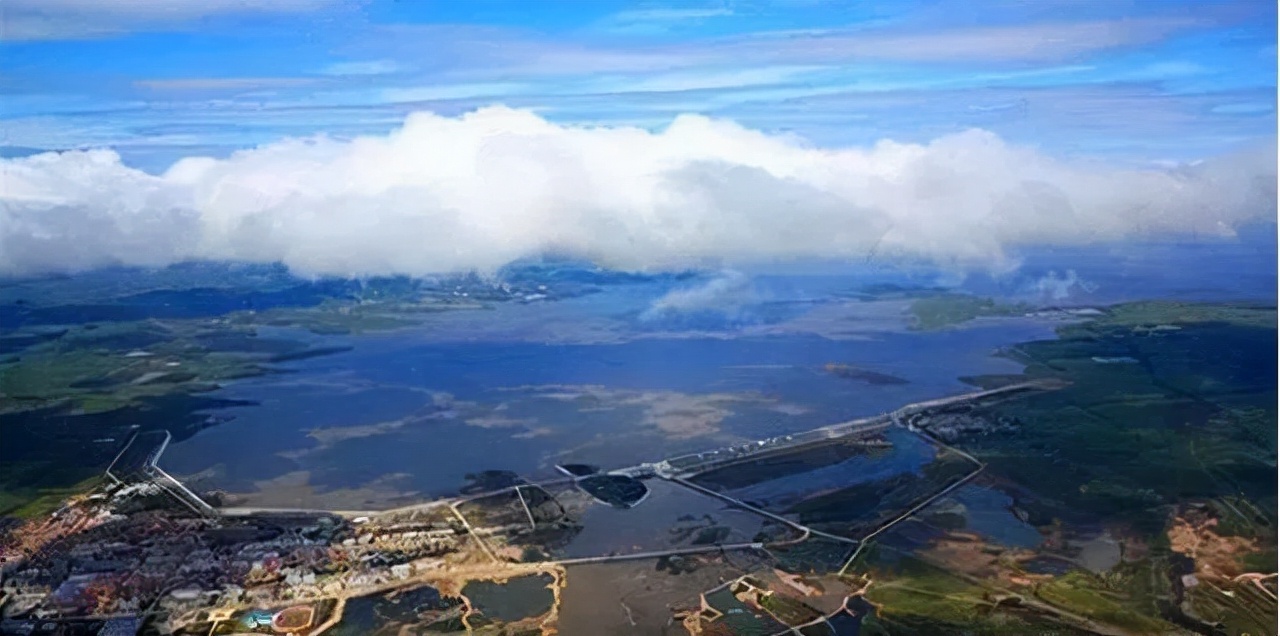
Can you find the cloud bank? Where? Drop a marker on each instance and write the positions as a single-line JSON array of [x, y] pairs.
[[478, 191]]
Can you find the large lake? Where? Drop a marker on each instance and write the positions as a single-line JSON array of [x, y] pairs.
[[614, 378], [406, 415]]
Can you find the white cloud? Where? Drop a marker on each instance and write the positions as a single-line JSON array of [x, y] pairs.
[[409, 94], [366, 67], [1043, 42], [1055, 288], [728, 292], [658, 20], [498, 184], [494, 52], [71, 19], [707, 79], [666, 15], [223, 83]]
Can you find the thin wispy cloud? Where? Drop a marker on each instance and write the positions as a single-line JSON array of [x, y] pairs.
[[1132, 82], [72, 19], [501, 52], [1053, 41], [669, 15], [733, 78], [659, 20], [365, 67], [410, 94], [223, 83]]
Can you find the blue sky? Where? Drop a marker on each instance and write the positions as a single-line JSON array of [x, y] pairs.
[[1141, 80]]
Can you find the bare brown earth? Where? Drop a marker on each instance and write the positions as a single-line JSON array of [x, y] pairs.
[[1216, 556], [968, 554], [825, 592]]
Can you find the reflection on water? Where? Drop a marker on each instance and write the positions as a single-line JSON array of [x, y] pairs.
[[429, 405], [383, 613], [511, 600], [741, 618], [848, 622], [908, 454], [671, 516]]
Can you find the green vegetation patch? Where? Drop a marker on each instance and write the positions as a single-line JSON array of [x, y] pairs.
[[334, 317], [915, 597], [1192, 417], [1083, 594], [1240, 607], [27, 503], [949, 309], [1150, 315], [788, 610], [812, 556], [739, 618]]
